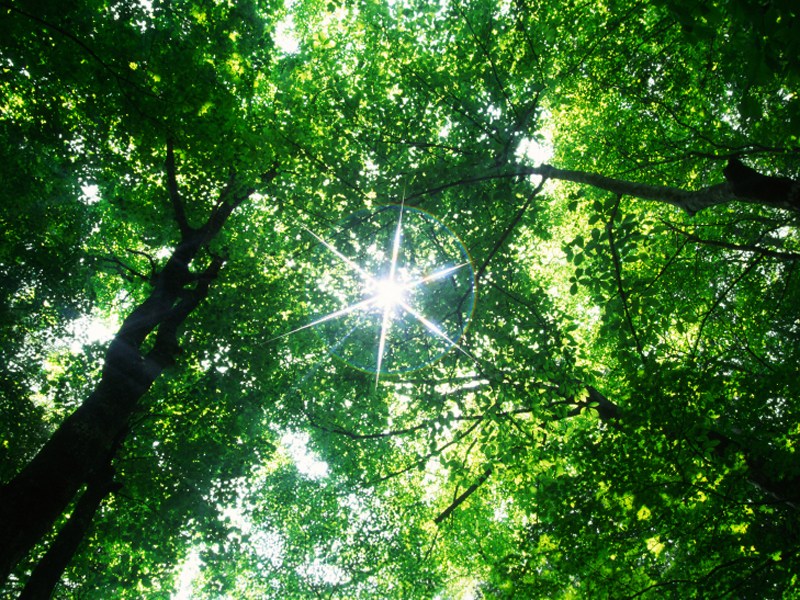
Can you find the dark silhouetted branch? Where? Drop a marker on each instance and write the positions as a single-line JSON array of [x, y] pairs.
[[466, 494]]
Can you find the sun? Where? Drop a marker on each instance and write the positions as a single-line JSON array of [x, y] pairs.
[[387, 293], [394, 288]]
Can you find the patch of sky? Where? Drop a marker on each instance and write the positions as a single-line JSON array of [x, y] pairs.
[[285, 36], [188, 571], [90, 329], [295, 445], [534, 151], [90, 193]]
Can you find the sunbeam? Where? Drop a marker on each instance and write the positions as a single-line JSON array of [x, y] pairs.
[[388, 285], [384, 287]]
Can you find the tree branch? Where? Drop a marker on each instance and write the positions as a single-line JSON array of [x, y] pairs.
[[511, 226], [666, 266], [737, 247], [689, 201], [166, 346], [749, 184], [174, 195], [150, 259], [608, 412], [365, 436], [742, 184], [82, 45], [488, 56], [49, 569], [124, 271], [425, 458], [466, 494], [719, 299], [618, 276]]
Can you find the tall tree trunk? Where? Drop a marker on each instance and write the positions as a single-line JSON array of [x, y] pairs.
[[49, 569], [32, 501], [80, 448]]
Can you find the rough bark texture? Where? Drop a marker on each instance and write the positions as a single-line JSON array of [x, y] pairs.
[[742, 184], [80, 448], [48, 571]]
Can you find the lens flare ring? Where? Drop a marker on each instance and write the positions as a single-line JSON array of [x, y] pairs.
[[393, 289]]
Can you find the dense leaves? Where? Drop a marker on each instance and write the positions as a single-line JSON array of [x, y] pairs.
[[620, 417]]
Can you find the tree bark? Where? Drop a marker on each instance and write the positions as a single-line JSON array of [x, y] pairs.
[[32, 501], [742, 184], [48, 571], [463, 496], [80, 448], [750, 185]]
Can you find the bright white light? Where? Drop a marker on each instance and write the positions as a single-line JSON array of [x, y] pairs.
[[91, 330], [536, 152], [285, 36], [147, 5], [90, 193], [320, 572], [389, 293], [395, 293], [307, 463], [188, 571]]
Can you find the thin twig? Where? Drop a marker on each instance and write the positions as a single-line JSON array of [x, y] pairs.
[[618, 276], [737, 247], [718, 300], [510, 228]]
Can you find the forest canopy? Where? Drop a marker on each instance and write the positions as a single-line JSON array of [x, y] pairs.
[[399, 299]]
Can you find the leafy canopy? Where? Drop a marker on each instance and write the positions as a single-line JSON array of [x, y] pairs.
[[622, 419]]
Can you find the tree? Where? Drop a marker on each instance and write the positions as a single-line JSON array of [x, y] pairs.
[[84, 444], [618, 418]]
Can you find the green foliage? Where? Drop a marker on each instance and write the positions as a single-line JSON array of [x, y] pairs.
[[621, 418]]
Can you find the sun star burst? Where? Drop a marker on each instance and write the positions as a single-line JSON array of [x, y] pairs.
[[387, 293], [390, 291]]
